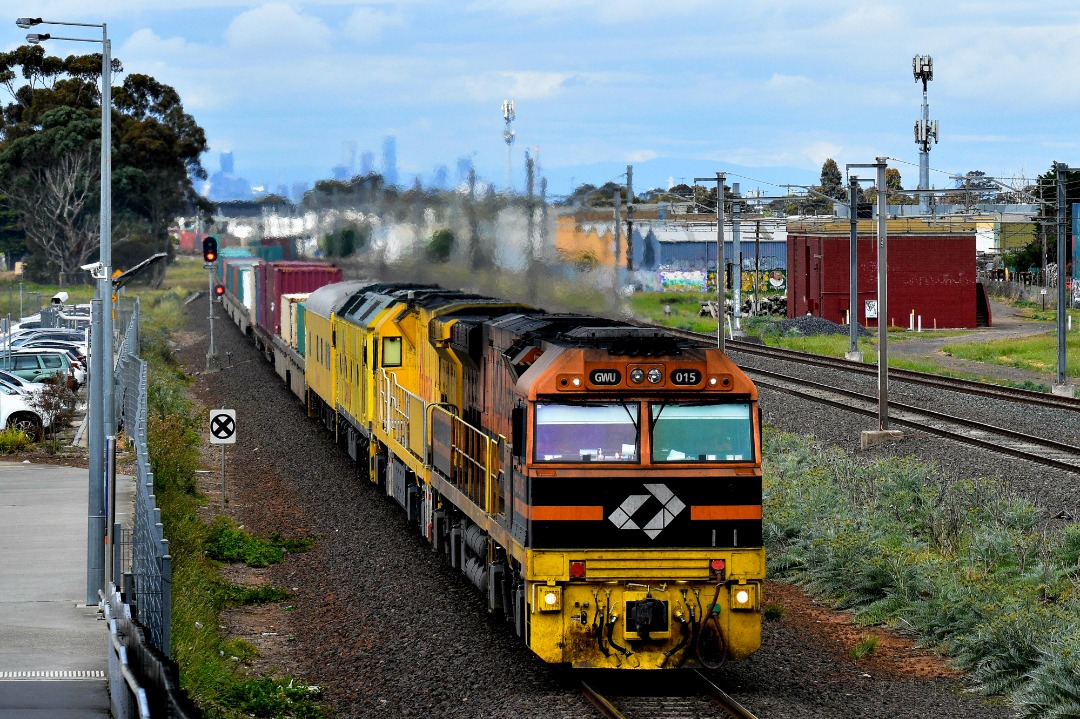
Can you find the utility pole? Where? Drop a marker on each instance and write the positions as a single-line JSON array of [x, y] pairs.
[[530, 256], [1061, 387], [883, 293], [736, 259], [618, 251], [853, 352], [629, 218], [721, 313]]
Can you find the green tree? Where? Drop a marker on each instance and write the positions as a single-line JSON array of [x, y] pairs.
[[832, 182], [12, 237], [49, 150], [440, 246]]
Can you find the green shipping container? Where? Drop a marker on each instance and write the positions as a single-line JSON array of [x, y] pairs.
[[301, 340]]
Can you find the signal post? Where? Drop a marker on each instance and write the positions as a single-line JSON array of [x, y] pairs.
[[210, 255]]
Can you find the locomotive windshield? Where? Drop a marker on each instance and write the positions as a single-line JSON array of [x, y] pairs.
[[586, 432], [701, 432]]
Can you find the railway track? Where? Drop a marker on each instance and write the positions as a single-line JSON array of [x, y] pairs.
[[999, 439], [1021, 444], [693, 697], [952, 384]]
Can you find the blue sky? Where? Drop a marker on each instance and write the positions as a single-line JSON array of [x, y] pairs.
[[765, 90]]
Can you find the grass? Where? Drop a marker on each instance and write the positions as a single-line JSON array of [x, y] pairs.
[[1038, 353], [958, 563], [865, 647], [217, 682]]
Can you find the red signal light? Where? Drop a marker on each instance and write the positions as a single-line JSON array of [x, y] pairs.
[[209, 248], [219, 290]]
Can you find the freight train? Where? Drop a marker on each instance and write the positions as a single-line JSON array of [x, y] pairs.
[[599, 482]]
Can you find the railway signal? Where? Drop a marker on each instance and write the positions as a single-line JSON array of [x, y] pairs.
[[209, 249], [219, 290]]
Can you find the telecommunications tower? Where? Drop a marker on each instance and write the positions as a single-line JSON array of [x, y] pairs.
[[508, 136], [923, 69]]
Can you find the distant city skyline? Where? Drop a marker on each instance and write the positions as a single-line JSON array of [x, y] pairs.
[[768, 90]]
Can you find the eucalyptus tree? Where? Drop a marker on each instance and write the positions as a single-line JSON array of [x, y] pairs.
[[50, 145]]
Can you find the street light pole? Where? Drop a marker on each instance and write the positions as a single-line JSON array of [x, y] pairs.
[[102, 405]]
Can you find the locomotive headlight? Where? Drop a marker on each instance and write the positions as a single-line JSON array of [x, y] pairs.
[[712, 381], [637, 375], [744, 597], [655, 375], [576, 381], [550, 599]]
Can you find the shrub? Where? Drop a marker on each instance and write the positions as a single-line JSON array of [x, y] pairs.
[[13, 440]]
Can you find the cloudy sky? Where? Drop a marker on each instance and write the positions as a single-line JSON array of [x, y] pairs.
[[766, 90]]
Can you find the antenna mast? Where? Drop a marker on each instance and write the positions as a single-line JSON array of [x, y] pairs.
[[923, 69], [508, 136]]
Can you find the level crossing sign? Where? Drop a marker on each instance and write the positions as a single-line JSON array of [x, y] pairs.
[[223, 426]]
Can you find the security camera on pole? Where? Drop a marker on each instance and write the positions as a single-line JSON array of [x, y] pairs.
[[210, 255]]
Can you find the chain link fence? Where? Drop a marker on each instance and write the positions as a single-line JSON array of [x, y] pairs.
[[143, 679]]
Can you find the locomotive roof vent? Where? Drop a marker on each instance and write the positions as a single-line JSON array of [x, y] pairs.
[[627, 341]]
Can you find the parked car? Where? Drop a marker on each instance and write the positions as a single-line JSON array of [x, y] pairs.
[[16, 412], [39, 365]]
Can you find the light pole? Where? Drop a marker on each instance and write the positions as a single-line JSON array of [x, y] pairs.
[[101, 404]]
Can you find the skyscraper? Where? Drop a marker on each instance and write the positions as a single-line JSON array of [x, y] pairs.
[[389, 153]]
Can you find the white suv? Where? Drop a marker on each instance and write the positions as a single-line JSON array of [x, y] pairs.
[[15, 411]]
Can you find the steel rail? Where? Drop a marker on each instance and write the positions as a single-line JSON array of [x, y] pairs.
[[1002, 440], [725, 700], [953, 384], [702, 689], [601, 702]]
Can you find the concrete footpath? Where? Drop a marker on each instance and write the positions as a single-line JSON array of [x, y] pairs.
[[53, 647]]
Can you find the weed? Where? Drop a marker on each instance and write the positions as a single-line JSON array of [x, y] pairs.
[[773, 612], [230, 543], [267, 696], [13, 440], [247, 596], [865, 647]]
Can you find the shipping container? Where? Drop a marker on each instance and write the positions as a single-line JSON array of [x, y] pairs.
[[301, 331], [274, 279], [289, 320]]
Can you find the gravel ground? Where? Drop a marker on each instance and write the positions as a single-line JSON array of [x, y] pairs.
[[389, 631]]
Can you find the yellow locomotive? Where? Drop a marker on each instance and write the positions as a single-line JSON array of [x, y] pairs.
[[599, 482]]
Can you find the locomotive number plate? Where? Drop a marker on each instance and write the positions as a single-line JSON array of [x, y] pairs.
[[685, 377]]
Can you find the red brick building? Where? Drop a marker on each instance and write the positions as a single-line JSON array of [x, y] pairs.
[[931, 272]]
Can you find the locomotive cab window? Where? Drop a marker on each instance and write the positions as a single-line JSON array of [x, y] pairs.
[[702, 432], [391, 351], [586, 433]]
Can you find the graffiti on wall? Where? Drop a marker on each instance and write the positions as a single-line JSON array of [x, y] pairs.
[[682, 281], [764, 281]]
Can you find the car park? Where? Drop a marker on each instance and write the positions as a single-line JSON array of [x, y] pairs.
[[39, 365]]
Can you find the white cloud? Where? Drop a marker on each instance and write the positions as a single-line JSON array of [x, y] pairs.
[[277, 28], [818, 152], [641, 156], [524, 85], [366, 24]]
